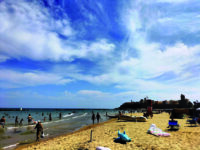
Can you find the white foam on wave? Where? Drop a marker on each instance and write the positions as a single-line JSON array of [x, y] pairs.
[[51, 122], [55, 121], [68, 115], [58, 120], [9, 146], [46, 122], [80, 116], [10, 128]]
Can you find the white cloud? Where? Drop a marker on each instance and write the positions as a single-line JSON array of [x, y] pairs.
[[3, 58], [90, 92], [136, 73], [29, 30], [19, 79], [172, 1], [151, 60], [32, 32], [133, 73]]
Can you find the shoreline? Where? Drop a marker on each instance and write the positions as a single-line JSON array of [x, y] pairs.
[[185, 138], [71, 121], [84, 128]]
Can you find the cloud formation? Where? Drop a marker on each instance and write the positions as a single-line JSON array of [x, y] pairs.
[[137, 48], [29, 30], [19, 79]]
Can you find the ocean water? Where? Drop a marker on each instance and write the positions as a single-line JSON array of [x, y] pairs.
[[72, 120]]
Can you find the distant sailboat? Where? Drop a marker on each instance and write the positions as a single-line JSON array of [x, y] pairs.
[[20, 108]]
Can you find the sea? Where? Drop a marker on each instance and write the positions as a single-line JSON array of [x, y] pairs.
[[72, 120]]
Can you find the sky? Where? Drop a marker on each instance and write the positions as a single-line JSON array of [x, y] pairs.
[[97, 54]]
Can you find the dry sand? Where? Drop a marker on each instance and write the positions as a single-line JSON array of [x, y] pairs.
[[187, 138]]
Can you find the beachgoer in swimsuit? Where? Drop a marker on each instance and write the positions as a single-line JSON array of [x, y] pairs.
[[29, 119], [60, 115], [93, 117], [16, 121], [98, 117], [3, 121], [44, 119], [20, 123], [50, 118]]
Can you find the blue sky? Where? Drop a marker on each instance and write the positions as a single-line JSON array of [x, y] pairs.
[[98, 54]]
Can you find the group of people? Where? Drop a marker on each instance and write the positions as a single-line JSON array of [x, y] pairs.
[[30, 119], [3, 121], [17, 122], [39, 126], [98, 117]]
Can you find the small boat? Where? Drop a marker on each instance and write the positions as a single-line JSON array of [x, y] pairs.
[[115, 116], [130, 118]]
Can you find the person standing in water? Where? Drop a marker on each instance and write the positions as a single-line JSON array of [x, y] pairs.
[[93, 117], [39, 128], [60, 115], [3, 121], [44, 119], [16, 121], [21, 122], [29, 119], [98, 117], [50, 118]]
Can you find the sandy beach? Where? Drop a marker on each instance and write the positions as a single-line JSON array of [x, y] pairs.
[[105, 133]]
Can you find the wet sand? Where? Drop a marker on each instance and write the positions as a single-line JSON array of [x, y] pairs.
[[105, 133]]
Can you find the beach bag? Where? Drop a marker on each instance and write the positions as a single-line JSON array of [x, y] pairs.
[[42, 135]]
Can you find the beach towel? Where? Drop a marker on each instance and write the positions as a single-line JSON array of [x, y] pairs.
[[156, 131]]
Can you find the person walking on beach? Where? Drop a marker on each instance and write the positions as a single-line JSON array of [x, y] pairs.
[[39, 128], [29, 119], [60, 115], [93, 117], [16, 121], [98, 117], [50, 118], [3, 121]]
